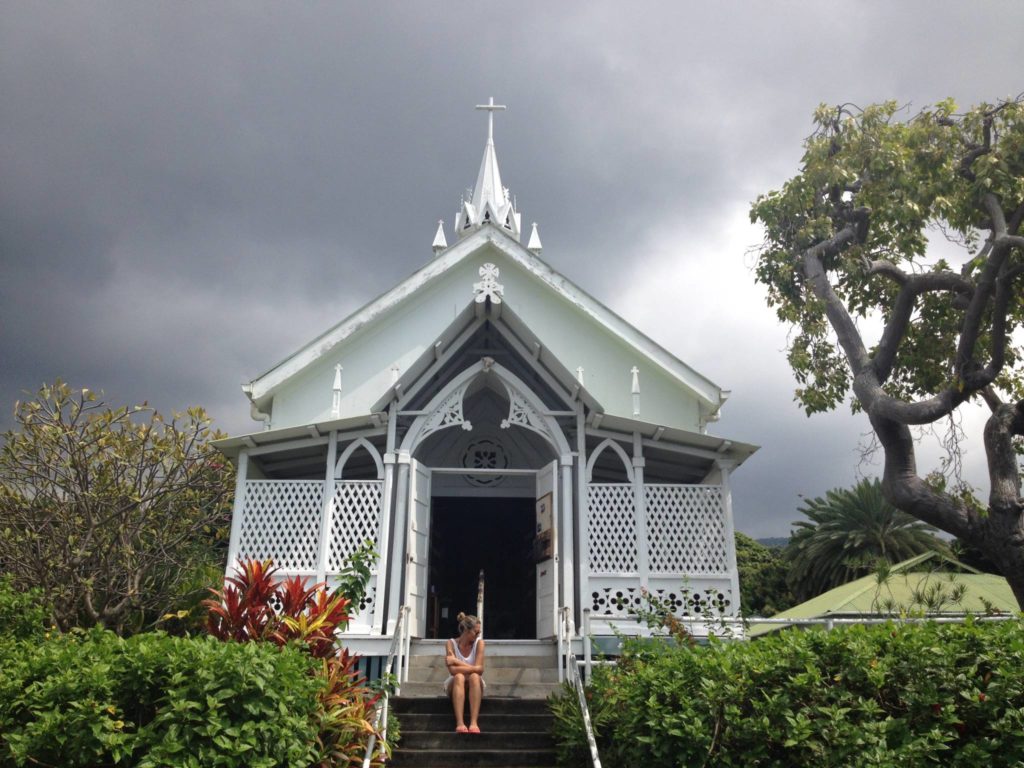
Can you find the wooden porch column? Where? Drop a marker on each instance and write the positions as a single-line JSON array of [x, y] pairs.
[[568, 579], [398, 560], [583, 510], [384, 541], [725, 467], [241, 475], [643, 563], [326, 511]]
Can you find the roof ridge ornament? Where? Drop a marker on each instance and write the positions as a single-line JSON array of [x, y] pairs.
[[489, 287]]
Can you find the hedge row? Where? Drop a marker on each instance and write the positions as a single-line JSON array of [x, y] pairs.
[[94, 699], [889, 695]]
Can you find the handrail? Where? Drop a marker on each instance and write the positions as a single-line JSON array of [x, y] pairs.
[[828, 622], [572, 669], [398, 650], [480, 597]]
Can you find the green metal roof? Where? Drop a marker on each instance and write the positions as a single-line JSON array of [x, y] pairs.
[[901, 592]]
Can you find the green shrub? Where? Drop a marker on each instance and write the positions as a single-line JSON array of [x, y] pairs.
[[912, 695], [93, 699], [22, 614]]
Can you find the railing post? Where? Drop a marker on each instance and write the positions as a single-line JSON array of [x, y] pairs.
[[586, 644]]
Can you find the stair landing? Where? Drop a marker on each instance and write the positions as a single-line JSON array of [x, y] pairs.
[[514, 719]]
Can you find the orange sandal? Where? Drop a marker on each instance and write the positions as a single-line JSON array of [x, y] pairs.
[[474, 729], [463, 729]]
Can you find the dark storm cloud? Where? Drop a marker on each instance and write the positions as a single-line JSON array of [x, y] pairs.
[[189, 192]]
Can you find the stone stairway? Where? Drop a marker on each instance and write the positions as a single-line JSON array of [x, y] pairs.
[[514, 718]]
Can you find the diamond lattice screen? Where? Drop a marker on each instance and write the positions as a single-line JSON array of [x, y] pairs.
[[686, 529], [612, 528], [354, 519], [281, 521]]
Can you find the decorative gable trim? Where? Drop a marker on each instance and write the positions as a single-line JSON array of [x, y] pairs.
[[705, 390]]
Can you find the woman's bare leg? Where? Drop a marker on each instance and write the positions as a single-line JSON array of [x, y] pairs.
[[459, 699], [476, 693]]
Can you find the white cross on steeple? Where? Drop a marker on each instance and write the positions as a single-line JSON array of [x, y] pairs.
[[490, 106]]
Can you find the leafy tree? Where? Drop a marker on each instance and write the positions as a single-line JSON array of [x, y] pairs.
[[763, 587], [851, 238], [108, 510], [847, 534]]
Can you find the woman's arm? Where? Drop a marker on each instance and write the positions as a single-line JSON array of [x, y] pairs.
[[456, 666]]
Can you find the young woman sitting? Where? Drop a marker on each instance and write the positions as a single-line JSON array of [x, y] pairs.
[[464, 657]]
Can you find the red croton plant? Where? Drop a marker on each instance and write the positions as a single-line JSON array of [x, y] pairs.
[[254, 606]]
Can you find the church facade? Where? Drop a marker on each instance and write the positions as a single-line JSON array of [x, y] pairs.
[[486, 416]]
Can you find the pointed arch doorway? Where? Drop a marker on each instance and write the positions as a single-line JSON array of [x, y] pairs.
[[474, 496]]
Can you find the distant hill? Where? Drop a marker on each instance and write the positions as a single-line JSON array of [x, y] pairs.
[[774, 542]]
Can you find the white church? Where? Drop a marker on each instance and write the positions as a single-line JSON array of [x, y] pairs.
[[486, 414]]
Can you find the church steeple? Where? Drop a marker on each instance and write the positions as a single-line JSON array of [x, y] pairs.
[[490, 203]]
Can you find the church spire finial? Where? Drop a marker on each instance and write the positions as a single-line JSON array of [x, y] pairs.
[[490, 107], [490, 203]]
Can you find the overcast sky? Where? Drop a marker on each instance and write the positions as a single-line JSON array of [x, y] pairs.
[[191, 191]]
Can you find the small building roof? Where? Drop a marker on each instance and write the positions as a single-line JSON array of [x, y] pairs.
[[902, 591]]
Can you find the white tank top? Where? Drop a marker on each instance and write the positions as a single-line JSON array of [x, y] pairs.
[[471, 658]]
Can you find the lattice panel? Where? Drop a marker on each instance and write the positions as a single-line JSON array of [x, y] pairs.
[[686, 529], [615, 601], [355, 518], [362, 613], [612, 528], [703, 603], [281, 522]]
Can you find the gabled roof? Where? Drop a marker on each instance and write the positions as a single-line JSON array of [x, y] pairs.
[[264, 385], [907, 581], [517, 334]]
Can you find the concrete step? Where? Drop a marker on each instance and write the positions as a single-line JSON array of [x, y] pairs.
[[490, 721], [492, 659], [513, 690], [473, 757], [516, 734], [492, 674], [541, 648], [439, 705], [488, 740]]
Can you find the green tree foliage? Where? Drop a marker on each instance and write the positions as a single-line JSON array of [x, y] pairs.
[[22, 614], [886, 695], [847, 534], [853, 236], [763, 587], [109, 511]]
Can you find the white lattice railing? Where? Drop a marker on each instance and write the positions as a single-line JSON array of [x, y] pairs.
[[686, 529], [356, 519], [682, 529], [684, 524], [281, 522], [612, 528]]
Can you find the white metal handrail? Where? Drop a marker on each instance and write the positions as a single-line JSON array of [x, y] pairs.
[[571, 668], [396, 653], [480, 597]]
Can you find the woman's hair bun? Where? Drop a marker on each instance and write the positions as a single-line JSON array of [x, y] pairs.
[[461, 617]]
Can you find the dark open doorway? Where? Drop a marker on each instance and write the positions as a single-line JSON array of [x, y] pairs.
[[496, 535]]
